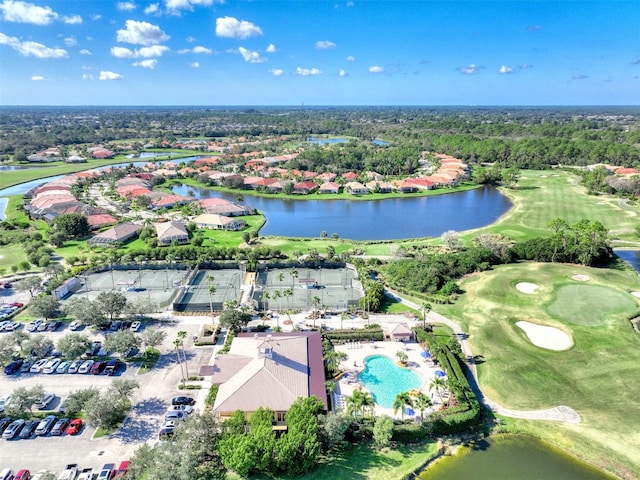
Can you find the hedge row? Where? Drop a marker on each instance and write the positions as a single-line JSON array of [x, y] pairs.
[[341, 336]]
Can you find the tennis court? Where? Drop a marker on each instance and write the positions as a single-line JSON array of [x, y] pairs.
[[307, 288], [210, 289]]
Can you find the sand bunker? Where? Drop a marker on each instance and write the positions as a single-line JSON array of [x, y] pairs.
[[580, 278], [550, 338], [526, 287], [636, 294]]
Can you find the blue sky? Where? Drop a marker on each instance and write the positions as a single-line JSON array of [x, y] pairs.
[[263, 52]]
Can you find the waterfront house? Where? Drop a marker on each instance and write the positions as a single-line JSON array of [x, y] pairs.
[[329, 187], [356, 188], [219, 222]]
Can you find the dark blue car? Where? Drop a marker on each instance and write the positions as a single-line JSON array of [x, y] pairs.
[[13, 367]]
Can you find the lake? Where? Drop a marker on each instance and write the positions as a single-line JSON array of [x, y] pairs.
[[387, 219], [632, 257], [511, 457]]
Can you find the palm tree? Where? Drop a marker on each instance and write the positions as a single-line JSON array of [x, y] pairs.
[[181, 336], [438, 384], [368, 403], [426, 308], [402, 357], [294, 275], [332, 359], [422, 403], [402, 399], [265, 299], [212, 290], [287, 293], [354, 403], [276, 295], [176, 343], [281, 277]]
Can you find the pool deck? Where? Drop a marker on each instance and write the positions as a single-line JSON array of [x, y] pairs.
[[359, 352]]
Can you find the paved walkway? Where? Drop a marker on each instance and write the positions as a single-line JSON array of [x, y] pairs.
[[560, 413]]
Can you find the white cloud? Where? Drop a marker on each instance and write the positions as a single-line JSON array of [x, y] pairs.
[[122, 52], [152, 51], [505, 70], [276, 72], [23, 12], [191, 39], [152, 9], [469, 70], [271, 48], [96, 17], [72, 20], [86, 76], [32, 49], [351, 58], [376, 69], [141, 33], [251, 57], [84, 67], [37, 78], [230, 27], [107, 75], [201, 49], [70, 41], [174, 6], [194, 65], [305, 72], [151, 64], [126, 6], [342, 73], [84, 51], [325, 45]]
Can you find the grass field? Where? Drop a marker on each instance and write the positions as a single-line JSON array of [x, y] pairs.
[[598, 377]]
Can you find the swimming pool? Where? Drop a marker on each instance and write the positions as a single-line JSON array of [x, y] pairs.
[[384, 379]]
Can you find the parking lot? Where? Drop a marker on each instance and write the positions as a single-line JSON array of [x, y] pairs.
[[150, 402]]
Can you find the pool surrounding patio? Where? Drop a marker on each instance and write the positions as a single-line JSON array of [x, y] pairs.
[[385, 379]]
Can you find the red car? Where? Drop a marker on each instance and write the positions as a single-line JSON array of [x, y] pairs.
[[19, 305], [122, 469], [74, 427], [22, 475]]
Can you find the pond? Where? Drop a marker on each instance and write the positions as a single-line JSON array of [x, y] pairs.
[[632, 257], [511, 457], [387, 219]]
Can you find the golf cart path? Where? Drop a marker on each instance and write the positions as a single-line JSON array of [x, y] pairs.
[[560, 413]]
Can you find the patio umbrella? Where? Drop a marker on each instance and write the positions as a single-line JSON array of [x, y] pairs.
[[409, 411], [440, 373], [426, 355]]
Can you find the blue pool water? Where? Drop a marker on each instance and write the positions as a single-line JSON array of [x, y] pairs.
[[384, 379]]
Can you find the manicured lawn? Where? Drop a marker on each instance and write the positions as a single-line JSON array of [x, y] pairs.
[[542, 196], [589, 305], [598, 377], [12, 254], [148, 361], [364, 462]]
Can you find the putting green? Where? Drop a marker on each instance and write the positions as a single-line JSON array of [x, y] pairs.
[[589, 305]]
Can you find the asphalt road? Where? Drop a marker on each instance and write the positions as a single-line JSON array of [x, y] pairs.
[[150, 402]]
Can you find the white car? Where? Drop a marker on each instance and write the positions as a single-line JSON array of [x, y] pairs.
[[175, 415], [85, 367], [37, 367], [33, 326], [188, 409], [63, 367], [5, 400], [135, 326], [75, 365], [75, 325], [51, 365]]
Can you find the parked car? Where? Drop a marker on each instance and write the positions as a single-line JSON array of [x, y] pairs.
[[86, 366], [42, 327], [70, 472], [188, 409], [45, 425], [107, 472], [63, 367], [53, 326], [23, 475], [75, 365], [4, 423], [13, 429], [6, 474], [60, 427], [33, 326], [44, 402], [104, 326], [183, 401], [115, 325], [74, 427], [75, 325], [5, 400], [51, 365], [97, 368], [12, 327], [165, 433], [37, 367], [93, 350], [13, 367], [112, 366], [175, 415], [26, 365], [123, 468], [135, 326], [29, 428], [86, 474]]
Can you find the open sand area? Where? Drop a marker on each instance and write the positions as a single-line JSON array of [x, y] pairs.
[[542, 336], [636, 294], [527, 287], [580, 278]]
